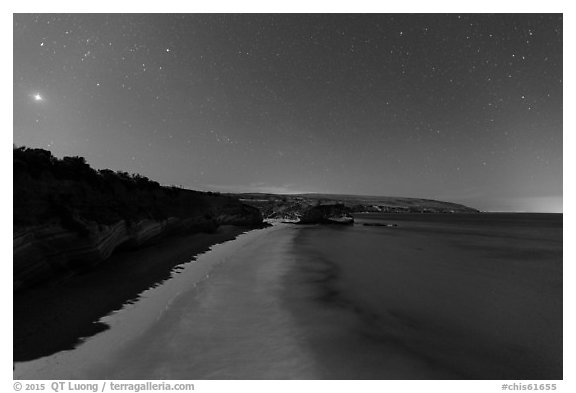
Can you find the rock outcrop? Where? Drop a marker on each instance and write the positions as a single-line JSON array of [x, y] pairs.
[[327, 214]]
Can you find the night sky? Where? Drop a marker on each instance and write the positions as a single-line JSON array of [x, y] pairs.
[[463, 108]]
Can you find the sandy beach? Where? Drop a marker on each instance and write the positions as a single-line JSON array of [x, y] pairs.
[[157, 337]]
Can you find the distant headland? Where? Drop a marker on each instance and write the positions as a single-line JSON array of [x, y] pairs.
[[295, 206]]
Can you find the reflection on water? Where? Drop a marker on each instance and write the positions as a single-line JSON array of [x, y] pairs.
[[429, 299]]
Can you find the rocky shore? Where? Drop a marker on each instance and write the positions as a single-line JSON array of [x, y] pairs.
[[327, 214]]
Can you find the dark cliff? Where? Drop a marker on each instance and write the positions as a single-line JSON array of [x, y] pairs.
[[68, 216]]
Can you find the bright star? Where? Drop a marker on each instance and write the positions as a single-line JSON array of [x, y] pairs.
[[38, 97]]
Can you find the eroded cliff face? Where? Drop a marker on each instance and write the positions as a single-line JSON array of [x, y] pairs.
[[52, 251], [69, 217]]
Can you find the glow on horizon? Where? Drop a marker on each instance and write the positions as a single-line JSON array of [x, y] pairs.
[[541, 204]]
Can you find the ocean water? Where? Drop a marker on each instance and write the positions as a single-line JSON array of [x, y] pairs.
[[436, 297], [477, 295]]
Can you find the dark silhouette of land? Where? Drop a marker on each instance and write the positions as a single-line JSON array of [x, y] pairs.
[[70, 217]]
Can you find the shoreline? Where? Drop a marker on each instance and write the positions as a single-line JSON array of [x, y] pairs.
[[59, 315], [142, 330]]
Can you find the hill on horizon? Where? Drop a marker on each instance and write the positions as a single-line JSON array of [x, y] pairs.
[[289, 205]]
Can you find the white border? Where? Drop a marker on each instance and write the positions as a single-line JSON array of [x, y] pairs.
[[310, 6]]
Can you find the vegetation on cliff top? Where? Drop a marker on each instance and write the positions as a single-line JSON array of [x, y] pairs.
[[68, 191]]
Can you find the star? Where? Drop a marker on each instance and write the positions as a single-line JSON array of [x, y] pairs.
[[477, 66]]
